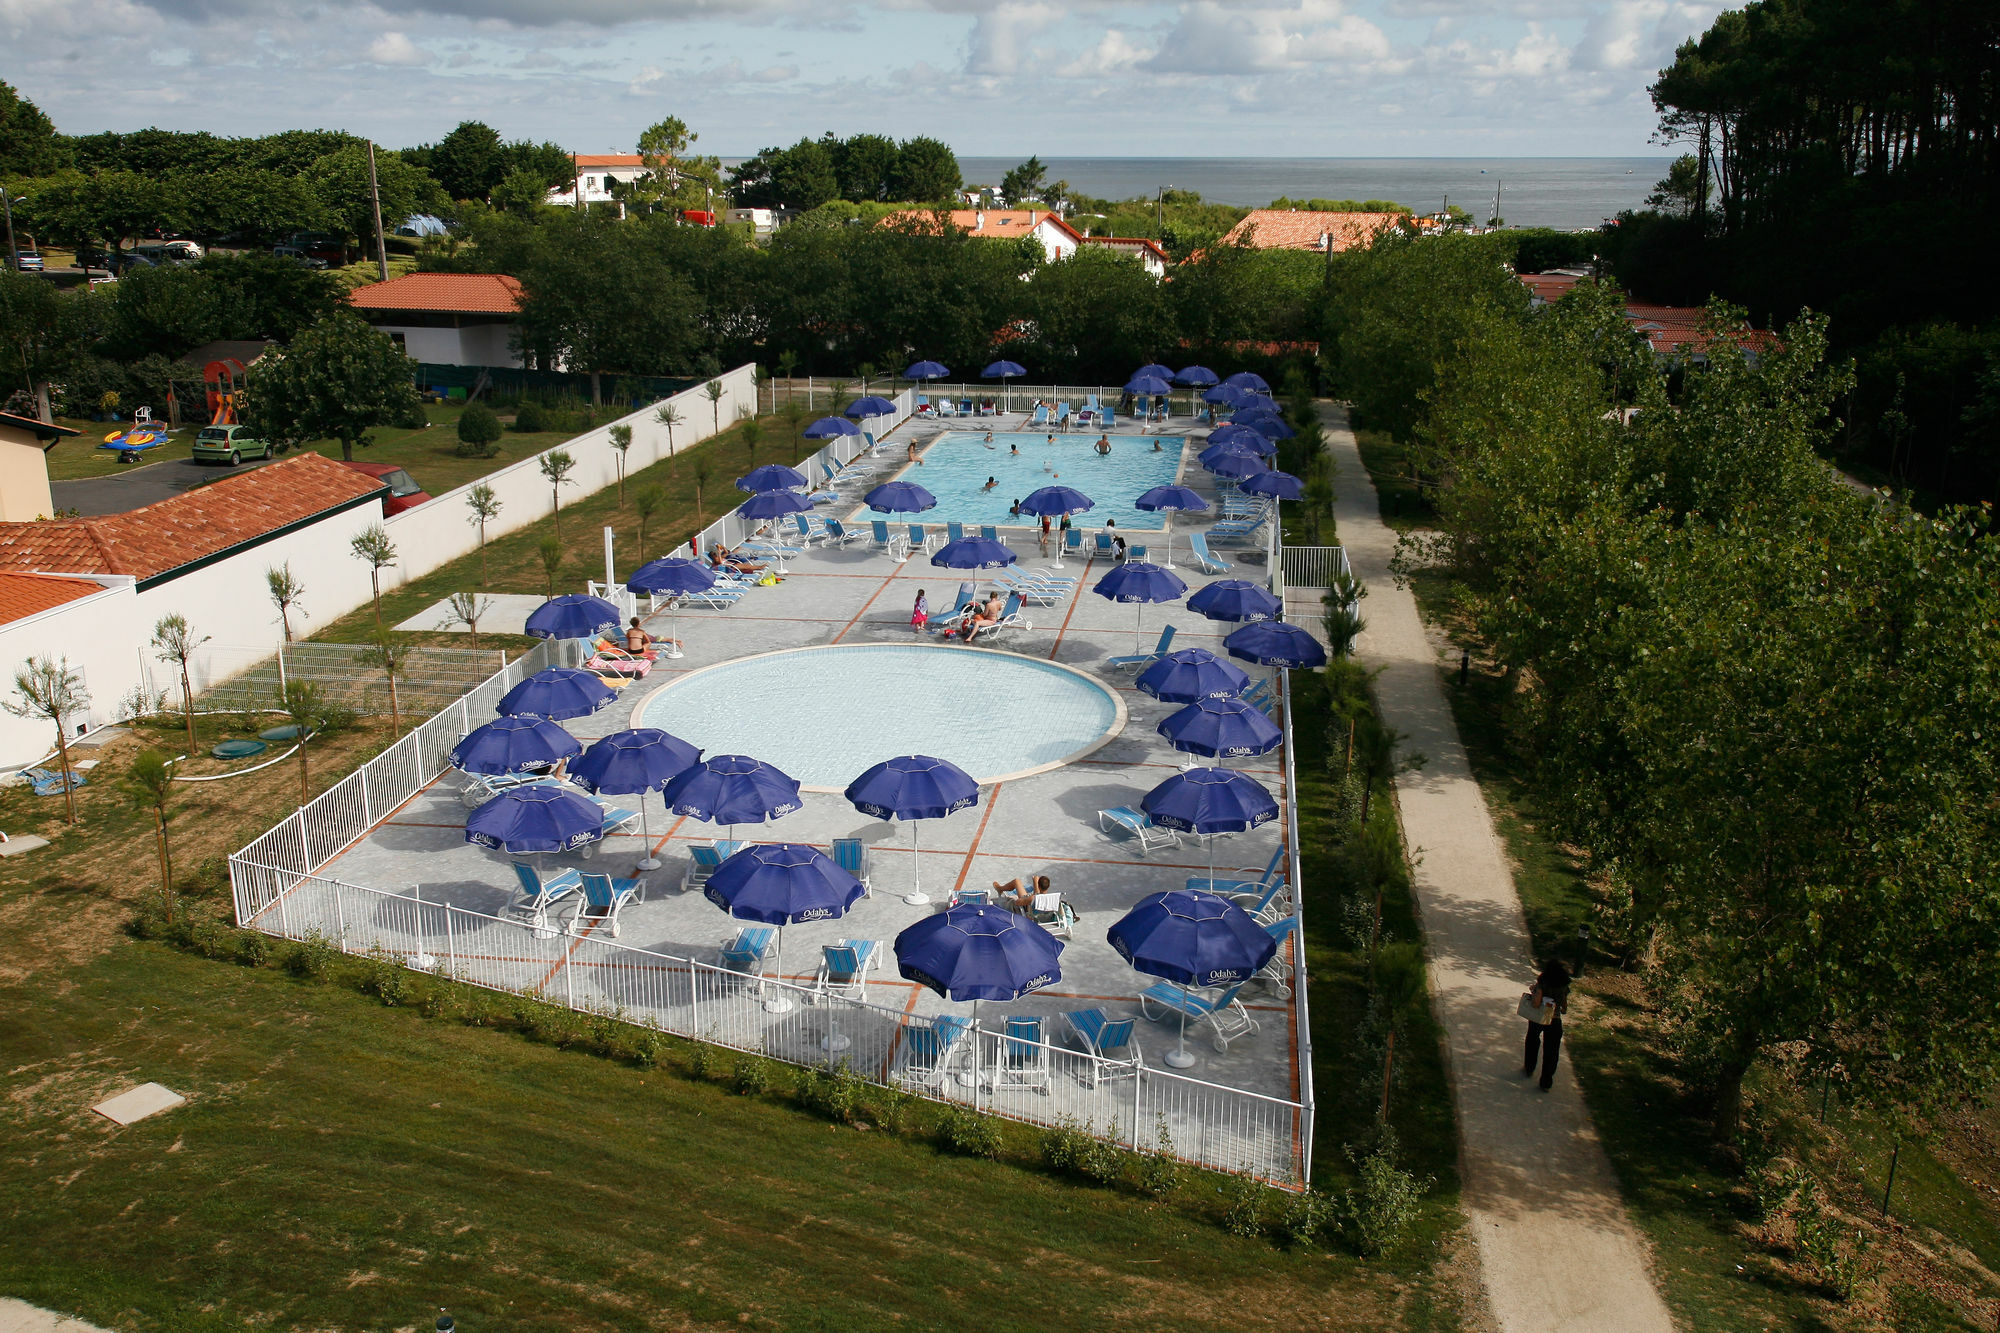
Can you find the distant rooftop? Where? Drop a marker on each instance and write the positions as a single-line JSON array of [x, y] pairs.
[[1299, 229], [442, 293]]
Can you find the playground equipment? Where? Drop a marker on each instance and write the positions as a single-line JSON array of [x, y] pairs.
[[225, 382], [144, 433]]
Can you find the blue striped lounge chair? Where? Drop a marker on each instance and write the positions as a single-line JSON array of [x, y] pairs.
[[1041, 417], [1141, 659], [1279, 971], [1205, 559], [954, 532], [539, 894], [1259, 891], [752, 951], [1024, 1058], [851, 855], [703, 860], [838, 534], [1140, 826], [1108, 1042], [601, 901], [929, 1049], [991, 533], [1221, 1013], [844, 967], [880, 528]]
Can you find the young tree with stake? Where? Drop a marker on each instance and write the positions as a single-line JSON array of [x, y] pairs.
[[713, 392], [703, 470], [551, 551], [392, 656], [646, 501], [372, 546], [621, 444], [465, 608], [305, 705], [751, 432], [485, 505], [669, 416], [51, 690], [556, 466], [174, 641], [150, 785], [286, 590]]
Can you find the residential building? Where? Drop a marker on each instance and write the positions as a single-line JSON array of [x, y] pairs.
[[1298, 229], [451, 319], [595, 174], [1146, 250], [24, 467], [1057, 238], [1674, 332]]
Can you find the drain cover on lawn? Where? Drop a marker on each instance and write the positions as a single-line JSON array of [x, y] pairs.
[[142, 1101]]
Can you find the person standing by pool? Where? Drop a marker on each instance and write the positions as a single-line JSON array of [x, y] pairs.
[[913, 454], [1045, 534], [920, 614], [1103, 446]]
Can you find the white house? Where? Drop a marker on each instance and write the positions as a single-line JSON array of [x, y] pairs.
[[449, 319], [595, 173], [1147, 251], [1058, 239]]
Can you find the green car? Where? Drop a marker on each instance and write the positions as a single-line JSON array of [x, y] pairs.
[[229, 444]]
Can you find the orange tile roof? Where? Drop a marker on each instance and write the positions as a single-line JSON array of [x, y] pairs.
[[446, 293], [608, 159], [188, 528], [1549, 286], [991, 222], [22, 595], [1292, 229]]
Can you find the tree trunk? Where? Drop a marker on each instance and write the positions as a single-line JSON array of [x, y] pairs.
[[395, 712], [166, 864], [1729, 1100], [375, 583], [484, 581], [347, 451], [187, 707], [1388, 1071], [62, 751], [305, 770]]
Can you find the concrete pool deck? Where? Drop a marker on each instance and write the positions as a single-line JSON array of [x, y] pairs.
[[1045, 823]]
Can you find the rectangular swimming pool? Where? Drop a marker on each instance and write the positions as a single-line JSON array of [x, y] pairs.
[[957, 465]]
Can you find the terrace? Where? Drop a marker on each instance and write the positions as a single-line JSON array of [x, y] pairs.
[[381, 861]]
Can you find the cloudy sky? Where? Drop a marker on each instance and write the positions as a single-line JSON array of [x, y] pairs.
[[1308, 78]]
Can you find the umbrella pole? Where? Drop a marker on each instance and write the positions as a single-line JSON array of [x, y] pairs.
[[1139, 631], [649, 861], [1179, 1058], [970, 1077], [1170, 541], [917, 897], [779, 1001]]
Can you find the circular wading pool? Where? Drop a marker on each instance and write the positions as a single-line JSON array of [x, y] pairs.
[[825, 715]]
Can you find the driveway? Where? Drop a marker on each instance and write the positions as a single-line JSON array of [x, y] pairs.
[[129, 488]]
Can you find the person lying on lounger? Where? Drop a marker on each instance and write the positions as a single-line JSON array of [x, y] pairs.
[[1018, 896], [982, 616], [720, 558]]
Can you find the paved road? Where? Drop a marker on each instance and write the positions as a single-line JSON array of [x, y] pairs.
[[130, 487], [1557, 1252], [21, 1317]]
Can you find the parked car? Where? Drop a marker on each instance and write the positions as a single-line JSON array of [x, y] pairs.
[[28, 261], [230, 444], [294, 253], [404, 493]]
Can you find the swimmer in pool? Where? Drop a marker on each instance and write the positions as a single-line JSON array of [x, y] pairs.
[[990, 484], [1014, 450]]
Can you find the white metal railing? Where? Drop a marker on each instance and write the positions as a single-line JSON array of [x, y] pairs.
[[1039, 1082], [1313, 566]]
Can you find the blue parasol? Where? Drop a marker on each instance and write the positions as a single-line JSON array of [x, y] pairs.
[[1234, 436], [827, 428], [774, 504], [1271, 426], [1195, 938], [541, 818], [573, 616], [1249, 379], [1233, 464], [1222, 729], [1236, 599], [1150, 385], [1170, 500], [899, 497], [871, 406], [632, 763], [973, 553], [926, 370], [1190, 674], [732, 789], [780, 883], [1139, 582], [1196, 377], [514, 745], [1275, 643], [973, 952], [913, 787], [1228, 395], [1004, 371], [1277, 485], [772, 477], [557, 693]]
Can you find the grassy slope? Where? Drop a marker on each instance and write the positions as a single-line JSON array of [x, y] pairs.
[[1721, 1268]]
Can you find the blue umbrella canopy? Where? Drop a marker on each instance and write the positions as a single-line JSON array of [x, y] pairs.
[[913, 786], [1221, 729], [1196, 377], [573, 616], [973, 553], [1208, 801], [1003, 370], [899, 497], [1236, 599], [1056, 500], [1257, 407], [1152, 384], [732, 789], [926, 370], [871, 406], [1138, 581], [774, 504], [772, 477], [673, 574], [1176, 499], [1194, 937], [827, 428], [535, 819], [782, 884], [629, 763], [1228, 395], [1234, 464], [1272, 427], [1191, 674], [1275, 643], [972, 952], [1233, 436], [1277, 485], [556, 693], [514, 745], [1232, 449], [1248, 379], [1154, 368]]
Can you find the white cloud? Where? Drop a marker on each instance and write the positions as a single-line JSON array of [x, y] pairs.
[[1214, 38], [999, 42], [394, 48]]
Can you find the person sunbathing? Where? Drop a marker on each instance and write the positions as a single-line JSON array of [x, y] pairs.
[[983, 616], [640, 644], [1018, 896], [721, 558]]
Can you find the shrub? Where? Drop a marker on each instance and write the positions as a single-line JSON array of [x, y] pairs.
[[312, 957], [478, 431], [1161, 1173], [386, 979], [414, 418], [254, 949], [1075, 1150], [530, 418], [967, 1132], [552, 1024], [1245, 1215], [1383, 1206], [834, 1092], [646, 1046], [755, 1075], [1306, 1215]]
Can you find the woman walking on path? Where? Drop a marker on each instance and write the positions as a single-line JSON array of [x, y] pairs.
[[1550, 999]]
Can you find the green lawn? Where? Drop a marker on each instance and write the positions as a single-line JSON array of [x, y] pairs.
[[429, 454]]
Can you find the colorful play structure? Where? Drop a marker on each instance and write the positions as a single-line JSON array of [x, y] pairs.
[[225, 382]]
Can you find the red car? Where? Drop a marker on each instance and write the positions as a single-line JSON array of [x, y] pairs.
[[404, 493]]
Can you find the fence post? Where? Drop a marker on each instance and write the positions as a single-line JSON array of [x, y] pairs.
[[284, 914], [694, 998], [569, 991], [450, 943], [281, 668], [367, 810], [339, 917], [1138, 1091]]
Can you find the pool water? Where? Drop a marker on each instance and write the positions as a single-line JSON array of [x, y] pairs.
[[826, 715], [957, 464]]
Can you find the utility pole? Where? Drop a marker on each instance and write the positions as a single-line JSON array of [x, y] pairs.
[[1496, 205], [375, 200]]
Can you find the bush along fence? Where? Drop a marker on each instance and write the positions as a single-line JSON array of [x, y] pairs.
[[277, 891]]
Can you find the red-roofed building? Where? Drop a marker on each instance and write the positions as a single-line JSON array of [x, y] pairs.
[[1300, 229], [452, 319], [24, 595], [595, 174], [1674, 332], [1142, 248], [1057, 238], [1548, 287]]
